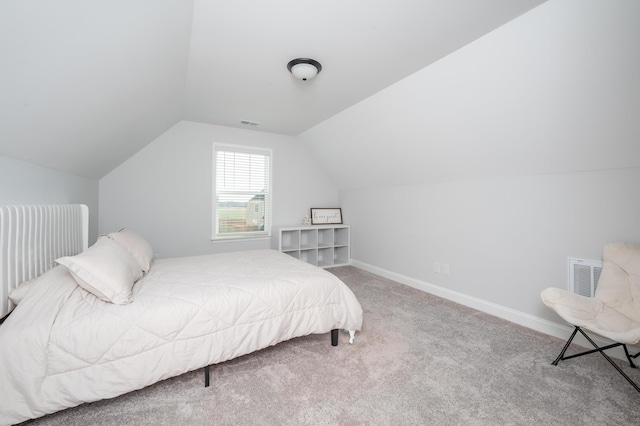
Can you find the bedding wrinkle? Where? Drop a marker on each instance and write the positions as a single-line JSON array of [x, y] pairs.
[[186, 313]]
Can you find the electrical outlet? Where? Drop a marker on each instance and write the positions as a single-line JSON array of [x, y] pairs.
[[445, 268], [436, 267]]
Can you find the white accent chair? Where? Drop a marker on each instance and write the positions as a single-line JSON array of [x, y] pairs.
[[614, 311]]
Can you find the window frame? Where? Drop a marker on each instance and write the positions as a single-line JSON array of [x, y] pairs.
[[250, 235]]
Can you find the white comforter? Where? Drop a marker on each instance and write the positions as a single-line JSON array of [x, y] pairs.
[[62, 346]]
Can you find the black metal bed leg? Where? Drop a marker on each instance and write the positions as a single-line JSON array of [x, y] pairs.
[[334, 337], [566, 346], [206, 376]]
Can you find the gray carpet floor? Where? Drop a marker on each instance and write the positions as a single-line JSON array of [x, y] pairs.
[[419, 360]]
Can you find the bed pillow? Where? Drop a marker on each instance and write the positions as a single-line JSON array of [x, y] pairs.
[[139, 248], [106, 270], [18, 293]]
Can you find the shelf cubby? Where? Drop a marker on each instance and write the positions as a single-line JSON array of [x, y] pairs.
[[308, 238], [290, 240], [319, 245]]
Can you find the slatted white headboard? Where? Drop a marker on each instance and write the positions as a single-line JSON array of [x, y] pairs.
[[32, 236]]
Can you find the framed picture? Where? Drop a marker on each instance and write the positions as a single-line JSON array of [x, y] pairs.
[[326, 216]]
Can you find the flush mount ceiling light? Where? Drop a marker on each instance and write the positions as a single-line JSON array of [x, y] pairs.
[[304, 68]]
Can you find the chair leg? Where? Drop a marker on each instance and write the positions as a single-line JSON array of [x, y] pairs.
[[566, 346], [601, 350], [626, 352], [636, 387], [561, 357]]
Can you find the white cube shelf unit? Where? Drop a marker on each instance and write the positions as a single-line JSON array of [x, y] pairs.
[[319, 245]]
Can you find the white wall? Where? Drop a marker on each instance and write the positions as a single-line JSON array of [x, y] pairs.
[[505, 239], [164, 191], [26, 183], [502, 159]]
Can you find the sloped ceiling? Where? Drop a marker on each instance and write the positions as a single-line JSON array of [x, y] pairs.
[[556, 91], [85, 85]]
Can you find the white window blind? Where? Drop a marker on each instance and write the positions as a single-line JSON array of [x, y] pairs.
[[242, 192]]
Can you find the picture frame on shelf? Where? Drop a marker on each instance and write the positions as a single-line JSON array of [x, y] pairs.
[[326, 216]]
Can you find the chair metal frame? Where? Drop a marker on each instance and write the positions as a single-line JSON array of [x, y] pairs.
[[561, 357]]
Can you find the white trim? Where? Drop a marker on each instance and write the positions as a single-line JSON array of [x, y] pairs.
[[535, 323], [236, 239]]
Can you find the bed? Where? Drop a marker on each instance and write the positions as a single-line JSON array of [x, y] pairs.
[[65, 344]]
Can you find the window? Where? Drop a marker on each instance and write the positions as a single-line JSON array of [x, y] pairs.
[[242, 192]]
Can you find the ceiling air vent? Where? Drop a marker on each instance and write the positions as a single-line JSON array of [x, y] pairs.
[[249, 123]]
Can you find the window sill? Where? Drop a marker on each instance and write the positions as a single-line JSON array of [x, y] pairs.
[[238, 239]]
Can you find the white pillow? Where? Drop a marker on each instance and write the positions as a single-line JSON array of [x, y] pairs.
[[139, 248], [106, 270], [18, 293]]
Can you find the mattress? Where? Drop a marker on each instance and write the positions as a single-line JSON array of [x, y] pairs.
[[62, 346]]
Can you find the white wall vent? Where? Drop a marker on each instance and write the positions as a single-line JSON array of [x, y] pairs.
[[584, 276]]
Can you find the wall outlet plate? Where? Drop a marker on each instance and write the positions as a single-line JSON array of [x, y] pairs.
[[445, 268]]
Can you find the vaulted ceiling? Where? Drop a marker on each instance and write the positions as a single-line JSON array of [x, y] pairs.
[[85, 85]]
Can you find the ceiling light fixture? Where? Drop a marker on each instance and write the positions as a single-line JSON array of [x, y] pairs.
[[304, 68]]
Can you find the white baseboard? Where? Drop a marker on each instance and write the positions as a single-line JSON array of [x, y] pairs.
[[535, 323]]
